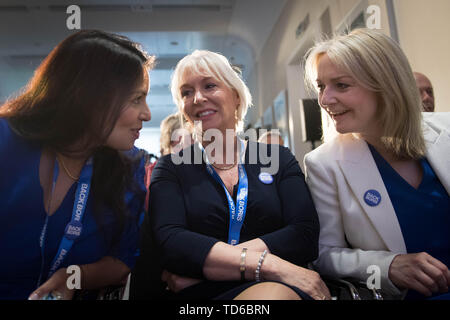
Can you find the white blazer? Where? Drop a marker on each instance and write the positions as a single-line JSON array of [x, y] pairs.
[[354, 235]]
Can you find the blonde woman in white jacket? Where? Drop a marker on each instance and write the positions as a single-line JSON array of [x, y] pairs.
[[381, 180]]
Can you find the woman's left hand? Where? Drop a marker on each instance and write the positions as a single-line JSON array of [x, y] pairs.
[[177, 283], [307, 280], [310, 282], [56, 283]]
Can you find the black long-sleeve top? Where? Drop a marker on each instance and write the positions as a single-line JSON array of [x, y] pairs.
[[189, 211]]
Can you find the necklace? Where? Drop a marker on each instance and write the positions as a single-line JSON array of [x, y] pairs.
[[66, 170], [225, 168]]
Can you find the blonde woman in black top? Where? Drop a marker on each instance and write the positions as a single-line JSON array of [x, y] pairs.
[[204, 250]]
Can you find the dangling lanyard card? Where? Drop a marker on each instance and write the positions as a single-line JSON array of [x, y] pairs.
[[236, 221], [74, 227]]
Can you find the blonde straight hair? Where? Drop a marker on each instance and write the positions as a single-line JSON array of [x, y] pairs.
[[212, 64], [171, 123], [378, 64]]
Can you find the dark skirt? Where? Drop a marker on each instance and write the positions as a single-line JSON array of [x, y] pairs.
[[222, 290]]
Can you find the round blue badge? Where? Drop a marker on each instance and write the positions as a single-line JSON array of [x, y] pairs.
[[265, 178], [372, 198], [73, 230]]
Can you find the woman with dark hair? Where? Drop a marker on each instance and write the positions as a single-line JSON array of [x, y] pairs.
[[72, 183]]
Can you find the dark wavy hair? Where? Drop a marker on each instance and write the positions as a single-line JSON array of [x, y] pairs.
[[75, 97]]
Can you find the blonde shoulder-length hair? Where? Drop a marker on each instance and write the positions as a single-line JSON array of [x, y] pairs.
[[378, 64], [212, 64], [168, 126]]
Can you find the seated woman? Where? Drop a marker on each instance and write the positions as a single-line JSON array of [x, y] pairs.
[[169, 127], [220, 222], [173, 136], [72, 182], [381, 181]]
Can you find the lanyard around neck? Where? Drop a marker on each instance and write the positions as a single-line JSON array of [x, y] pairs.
[[236, 221], [74, 227]]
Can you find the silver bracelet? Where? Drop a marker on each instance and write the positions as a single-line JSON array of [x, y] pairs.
[[258, 268], [242, 264]]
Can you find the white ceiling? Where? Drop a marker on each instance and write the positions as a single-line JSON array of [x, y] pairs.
[[168, 29]]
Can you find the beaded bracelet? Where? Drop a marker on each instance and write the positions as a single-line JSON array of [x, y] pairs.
[[242, 265], [258, 268]]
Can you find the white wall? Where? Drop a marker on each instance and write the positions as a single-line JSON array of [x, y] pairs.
[[279, 64], [424, 29]]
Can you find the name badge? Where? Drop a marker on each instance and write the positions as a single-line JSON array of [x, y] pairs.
[[265, 178], [372, 198], [73, 230]]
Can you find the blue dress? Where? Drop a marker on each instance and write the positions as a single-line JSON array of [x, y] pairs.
[[22, 217], [423, 213]]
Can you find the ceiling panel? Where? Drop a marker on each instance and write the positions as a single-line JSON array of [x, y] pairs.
[[169, 29]]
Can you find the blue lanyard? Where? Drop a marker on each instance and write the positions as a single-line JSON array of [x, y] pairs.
[[74, 227], [236, 221]]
